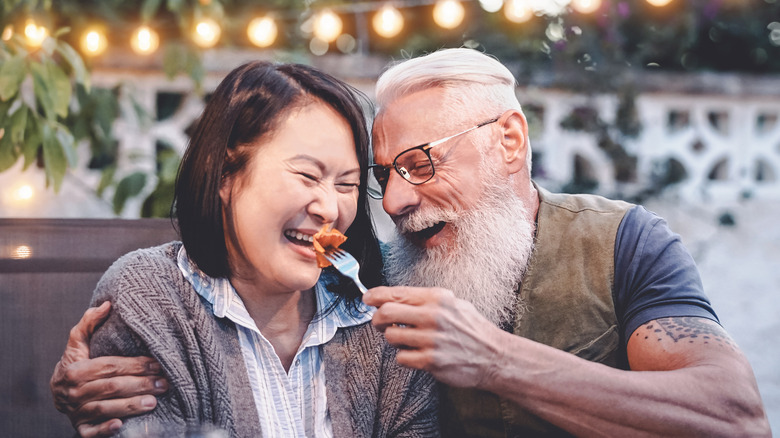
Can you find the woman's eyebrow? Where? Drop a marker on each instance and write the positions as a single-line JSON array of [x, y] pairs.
[[320, 164]]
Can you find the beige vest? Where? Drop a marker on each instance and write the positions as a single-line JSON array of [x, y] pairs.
[[567, 293]]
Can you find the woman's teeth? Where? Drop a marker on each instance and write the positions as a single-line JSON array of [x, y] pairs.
[[299, 236]]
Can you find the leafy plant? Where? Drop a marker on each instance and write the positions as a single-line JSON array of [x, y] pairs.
[[32, 126]]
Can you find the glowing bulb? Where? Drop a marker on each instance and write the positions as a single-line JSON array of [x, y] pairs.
[[144, 41], [586, 6], [659, 3], [518, 11], [94, 42], [448, 13], [35, 34], [491, 5], [8, 32], [388, 22], [25, 192], [21, 252], [207, 33], [262, 31], [327, 26]]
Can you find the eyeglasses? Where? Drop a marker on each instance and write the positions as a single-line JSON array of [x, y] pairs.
[[414, 164]]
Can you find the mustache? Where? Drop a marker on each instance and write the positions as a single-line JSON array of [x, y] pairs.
[[419, 220]]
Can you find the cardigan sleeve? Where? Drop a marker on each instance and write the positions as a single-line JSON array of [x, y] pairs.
[[140, 290]]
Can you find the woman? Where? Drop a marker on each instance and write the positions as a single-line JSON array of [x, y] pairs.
[[252, 338]]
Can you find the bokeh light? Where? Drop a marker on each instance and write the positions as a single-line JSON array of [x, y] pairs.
[[327, 26], [35, 34], [144, 41], [659, 3], [448, 14], [586, 6], [21, 252], [388, 21], [262, 31], [491, 5], [518, 11], [94, 42], [207, 33]]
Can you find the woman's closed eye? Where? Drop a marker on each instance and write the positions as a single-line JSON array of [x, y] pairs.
[[347, 186], [309, 176]]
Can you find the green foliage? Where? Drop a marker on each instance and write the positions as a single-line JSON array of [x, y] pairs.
[[33, 127], [128, 187]]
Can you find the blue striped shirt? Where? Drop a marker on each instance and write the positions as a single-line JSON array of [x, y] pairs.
[[290, 404]]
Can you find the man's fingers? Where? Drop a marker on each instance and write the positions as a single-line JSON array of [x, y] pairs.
[[106, 410], [82, 331], [111, 366], [119, 387], [392, 314], [106, 429], [415, 296]]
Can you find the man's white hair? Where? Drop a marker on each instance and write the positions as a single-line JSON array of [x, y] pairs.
[[474, 83]]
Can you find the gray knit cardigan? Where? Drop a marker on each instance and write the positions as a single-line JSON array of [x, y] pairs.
[[156, 312]]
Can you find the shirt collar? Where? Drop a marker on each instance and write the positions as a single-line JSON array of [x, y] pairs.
[[226, 303]]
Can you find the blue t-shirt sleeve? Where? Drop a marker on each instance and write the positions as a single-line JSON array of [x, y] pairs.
[[655, 275]]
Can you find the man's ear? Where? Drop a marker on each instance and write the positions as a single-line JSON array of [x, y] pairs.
[[514, 140]]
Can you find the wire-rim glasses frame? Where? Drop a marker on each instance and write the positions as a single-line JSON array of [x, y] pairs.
[[417, 171]]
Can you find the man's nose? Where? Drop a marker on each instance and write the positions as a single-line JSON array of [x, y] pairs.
[[400, 197]]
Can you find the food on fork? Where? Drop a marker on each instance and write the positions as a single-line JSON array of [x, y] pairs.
[[326, 240]]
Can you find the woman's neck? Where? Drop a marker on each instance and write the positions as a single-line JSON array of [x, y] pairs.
[[282, 318]]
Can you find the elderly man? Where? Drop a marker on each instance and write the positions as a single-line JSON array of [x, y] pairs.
[[542, 314]]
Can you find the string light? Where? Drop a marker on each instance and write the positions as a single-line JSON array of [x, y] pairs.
[[586, 6], [659, 3], [491, 5], [8, 32], [207, 33], [94, 42], [24, 192], [518, 11], [388, 21], [144, 41], [35, 34], [262, 31], [448, 14], [327, 26]]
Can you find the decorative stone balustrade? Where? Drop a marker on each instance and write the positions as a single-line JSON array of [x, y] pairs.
[[721, 132]]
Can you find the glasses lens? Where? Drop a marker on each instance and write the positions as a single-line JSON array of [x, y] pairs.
[[415, 166], [377, 181]]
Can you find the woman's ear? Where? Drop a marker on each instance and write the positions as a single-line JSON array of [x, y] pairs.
[[514, 140], [225, 189]]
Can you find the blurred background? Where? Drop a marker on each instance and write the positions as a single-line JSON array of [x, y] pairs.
[[673, 104]]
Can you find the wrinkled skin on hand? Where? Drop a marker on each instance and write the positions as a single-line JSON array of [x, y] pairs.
[[96, 393], [437, 332]]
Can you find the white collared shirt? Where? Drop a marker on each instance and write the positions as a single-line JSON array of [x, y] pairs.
[[290, 404]]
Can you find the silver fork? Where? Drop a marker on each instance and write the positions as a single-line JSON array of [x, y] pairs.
[[346, 264]]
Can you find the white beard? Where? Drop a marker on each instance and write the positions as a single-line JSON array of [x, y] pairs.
[[485, 263]]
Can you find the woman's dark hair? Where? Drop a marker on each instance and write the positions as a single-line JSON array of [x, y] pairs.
[[250, 103]]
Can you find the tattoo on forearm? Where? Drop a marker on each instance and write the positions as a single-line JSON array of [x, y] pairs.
[[688, 329]]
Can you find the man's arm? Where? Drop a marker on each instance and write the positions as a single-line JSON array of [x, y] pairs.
[[95, 393], [687, 385]]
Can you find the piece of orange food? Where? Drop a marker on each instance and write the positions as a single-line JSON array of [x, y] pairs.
[[325, 240]]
